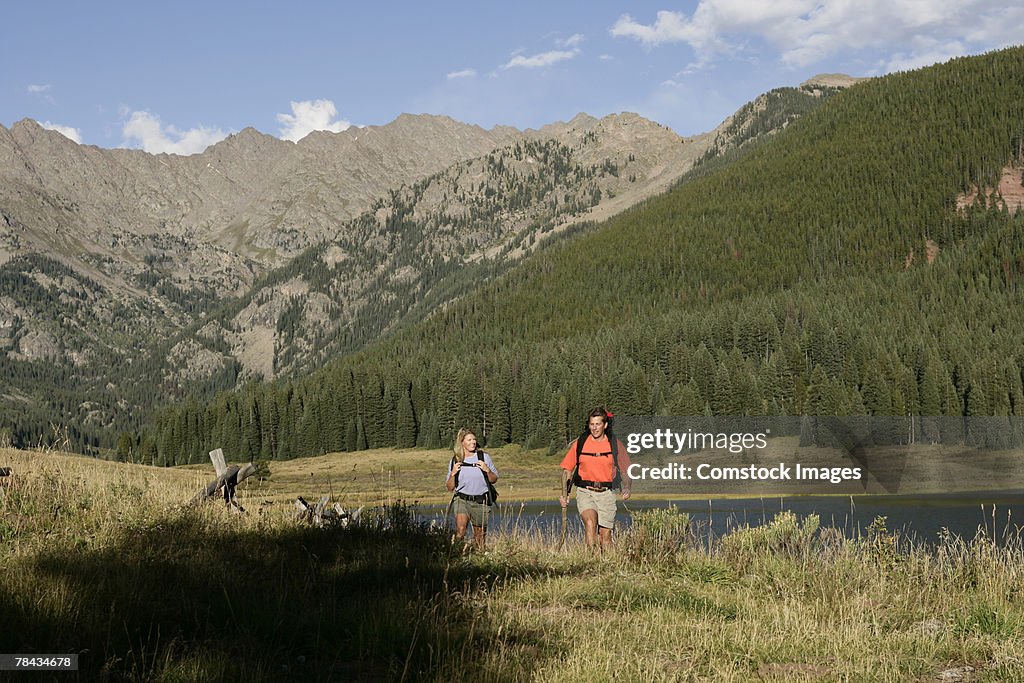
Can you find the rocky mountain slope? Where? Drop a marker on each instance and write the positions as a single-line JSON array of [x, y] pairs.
[[405, 254], [247, 203], [129, 279]]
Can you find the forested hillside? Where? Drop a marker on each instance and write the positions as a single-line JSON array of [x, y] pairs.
[[828, 271]]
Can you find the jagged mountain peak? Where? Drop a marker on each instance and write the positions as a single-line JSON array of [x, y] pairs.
[[248, 143], [405, 127], [425, 123], [30, 132], [26, 125], [583, 120], [580, 122], [250, 135], [406, 118]]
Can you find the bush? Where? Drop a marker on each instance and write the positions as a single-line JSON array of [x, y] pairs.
[[784, 535], [658, 534]]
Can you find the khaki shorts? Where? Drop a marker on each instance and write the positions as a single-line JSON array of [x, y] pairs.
[[603, 502], [478, 512]]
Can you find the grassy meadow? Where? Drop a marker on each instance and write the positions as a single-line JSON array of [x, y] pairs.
[[106, 561], [384, 475]]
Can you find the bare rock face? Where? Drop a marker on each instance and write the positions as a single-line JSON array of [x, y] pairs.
[[38, 345], [832, 81], [140, 224], [190, 361], [247, 203]]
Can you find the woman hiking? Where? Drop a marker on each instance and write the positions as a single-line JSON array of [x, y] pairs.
[[471, 475]]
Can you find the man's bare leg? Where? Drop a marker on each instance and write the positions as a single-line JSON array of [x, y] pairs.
[[590, 527]]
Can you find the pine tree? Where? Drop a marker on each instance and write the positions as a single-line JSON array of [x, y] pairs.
[[686, 400], [147, 450], [405, 422], [271, 426], [930, 382], [125, 447]]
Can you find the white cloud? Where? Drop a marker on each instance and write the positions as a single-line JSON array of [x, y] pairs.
[[572, 41], [73, 134], [146, 131], [807, 31], [547, 58], [44, 91], [670, 27], [308, 116], [465, 73], [924, 56], [999, 27], [540, 60], [570, 49]]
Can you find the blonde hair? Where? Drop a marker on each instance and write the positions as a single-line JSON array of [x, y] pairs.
[[457, 447]]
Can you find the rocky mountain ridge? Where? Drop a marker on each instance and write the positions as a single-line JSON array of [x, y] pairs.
[[385, 265], [245, 204], [138, 278]]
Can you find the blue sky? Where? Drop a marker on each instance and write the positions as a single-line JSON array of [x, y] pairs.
[[176, 77]]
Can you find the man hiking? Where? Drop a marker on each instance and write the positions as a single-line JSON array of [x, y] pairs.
[[596, 464]]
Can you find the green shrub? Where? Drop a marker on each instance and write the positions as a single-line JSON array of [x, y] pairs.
[[658, 534], [784, 535]]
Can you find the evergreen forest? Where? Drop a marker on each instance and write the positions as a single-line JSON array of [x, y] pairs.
[[827, 270]]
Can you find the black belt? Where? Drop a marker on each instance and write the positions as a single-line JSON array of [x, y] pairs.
[[482, 498], [595, 486]]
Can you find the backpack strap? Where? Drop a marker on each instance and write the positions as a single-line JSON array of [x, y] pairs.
[[612, 441], [451, 466], [492, 493]]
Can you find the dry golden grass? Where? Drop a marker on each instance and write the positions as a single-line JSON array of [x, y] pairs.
[[105, 560], [382, 476]]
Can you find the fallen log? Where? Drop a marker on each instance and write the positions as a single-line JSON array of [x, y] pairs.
[[228, 478], [321, 514]]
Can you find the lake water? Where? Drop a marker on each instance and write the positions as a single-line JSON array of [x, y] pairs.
[[918, 517]]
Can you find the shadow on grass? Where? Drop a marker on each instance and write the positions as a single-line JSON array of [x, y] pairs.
[[190, 598]]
